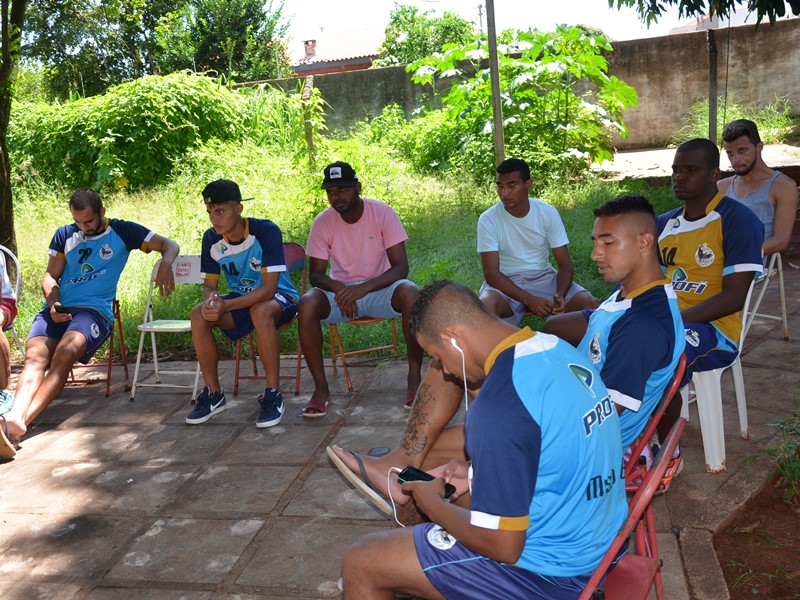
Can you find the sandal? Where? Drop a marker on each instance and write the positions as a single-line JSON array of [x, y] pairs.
[[8, 449], [312, 411]]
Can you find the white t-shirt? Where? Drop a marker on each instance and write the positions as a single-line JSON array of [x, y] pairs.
[[523, 243]]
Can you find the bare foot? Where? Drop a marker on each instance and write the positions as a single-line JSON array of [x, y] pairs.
[[16, 426], [376, 470], [318, 405]]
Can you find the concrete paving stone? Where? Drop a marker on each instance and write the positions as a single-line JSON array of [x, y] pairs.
[[675, 584], [135, 489], [706, 581], [271, 597], [362, 438], [229, 491], [86, 443], [389, 376], [238, 410], [303, 555], [293, 441], [116, 593], [186, 550], [40, 591], [325, 493], [145, 410], [194, 444], [37, 486], [67, 545]]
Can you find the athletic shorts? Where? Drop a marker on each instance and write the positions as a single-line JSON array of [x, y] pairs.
[[8, 306], [541, 283], [90, 323], [706, 349], [377, 304], [243, 322], [458, 572]]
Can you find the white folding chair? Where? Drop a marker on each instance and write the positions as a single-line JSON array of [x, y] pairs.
[[708, 393], [186, 270], [775, 267], [18, 280]]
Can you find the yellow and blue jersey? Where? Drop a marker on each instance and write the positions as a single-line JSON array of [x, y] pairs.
[[696, 254], [94, 264], [260, 252], [544, 440]]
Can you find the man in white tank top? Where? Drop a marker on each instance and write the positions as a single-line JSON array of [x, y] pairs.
[[770, 194]]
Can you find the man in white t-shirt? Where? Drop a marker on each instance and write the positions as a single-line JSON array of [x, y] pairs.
[[515, 238], [364, 243]]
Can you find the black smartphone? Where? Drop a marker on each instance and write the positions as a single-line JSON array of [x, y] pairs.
[[61, 309], [414, 474]]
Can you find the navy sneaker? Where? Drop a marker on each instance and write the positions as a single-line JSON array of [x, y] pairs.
[[272, 408], [206, 406]]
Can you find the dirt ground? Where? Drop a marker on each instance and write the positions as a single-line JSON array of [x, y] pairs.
[[760, 551]]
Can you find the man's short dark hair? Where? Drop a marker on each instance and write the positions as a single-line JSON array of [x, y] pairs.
[[514, 165], [706, 146], [84, 198], [444, 303], [736, 129], [624, 205]]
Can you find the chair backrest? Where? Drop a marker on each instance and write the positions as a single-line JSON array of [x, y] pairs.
[[671, 392], [638, 504], [295, 256], [185, 268], [17, 269]]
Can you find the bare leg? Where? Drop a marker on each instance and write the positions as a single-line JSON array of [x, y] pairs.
[[265, 317], [496, 304], [402, 301], [383, 563], [5, 356], [582, 301], [438, 400], [314, 307], [205, 346], [570, 327]]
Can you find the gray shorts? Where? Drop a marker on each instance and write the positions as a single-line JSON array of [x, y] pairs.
[[377, 304], [541, 283]]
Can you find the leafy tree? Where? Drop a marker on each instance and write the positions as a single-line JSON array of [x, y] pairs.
[[651, 10], [412, 35]]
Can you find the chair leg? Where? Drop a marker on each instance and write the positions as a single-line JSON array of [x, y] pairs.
[[110, 362], [709, 410], [155, 357], [343, 358], [741, 400], [236, 367], [196, 381], [394, 339], [136, 368], [783, 300], [298, 368], [333, 332]]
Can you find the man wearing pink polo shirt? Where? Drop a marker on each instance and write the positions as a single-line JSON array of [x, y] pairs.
[[363, 241]]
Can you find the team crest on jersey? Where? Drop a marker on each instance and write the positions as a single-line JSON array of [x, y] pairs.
[[439, 538], [692, 337], [255, 264], [86, 268], [106, 252], [595, 352], [704, 255], [95, 331]]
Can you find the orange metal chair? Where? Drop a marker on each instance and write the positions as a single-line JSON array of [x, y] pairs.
[[635, 574], [333, 336], [295, 256], [109, 363]]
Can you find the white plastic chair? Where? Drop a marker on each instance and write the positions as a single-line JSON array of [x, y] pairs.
[[775, 267], [708, 393], [6, 252], [186, 270]]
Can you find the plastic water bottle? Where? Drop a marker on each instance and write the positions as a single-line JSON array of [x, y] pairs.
[[213, 302]]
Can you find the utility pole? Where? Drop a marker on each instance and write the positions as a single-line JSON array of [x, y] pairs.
[[494, 74]]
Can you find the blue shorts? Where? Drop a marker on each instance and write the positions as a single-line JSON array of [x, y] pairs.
[[541, 283], [377, 304], [458, 572], [706, 349], [243, 323], [90, 323]]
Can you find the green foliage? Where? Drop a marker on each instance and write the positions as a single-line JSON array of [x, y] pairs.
[[133, 135], [775, 122], [785, 457], [412, 34], [651, 11], [550, 118]]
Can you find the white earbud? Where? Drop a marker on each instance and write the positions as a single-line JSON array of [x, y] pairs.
[[455, 345]]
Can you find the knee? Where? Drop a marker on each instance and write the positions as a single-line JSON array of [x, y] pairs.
[[404, 297], [310, 309], [196, 316], [354, 563]]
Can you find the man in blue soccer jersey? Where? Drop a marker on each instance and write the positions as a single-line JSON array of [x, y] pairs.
[[250, 253], [710, 248], [86, 260], [546, 481]]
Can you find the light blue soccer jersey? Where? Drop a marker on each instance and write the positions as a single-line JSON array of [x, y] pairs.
[[94, 264], [261, 251], [636, 342], [544, 440]]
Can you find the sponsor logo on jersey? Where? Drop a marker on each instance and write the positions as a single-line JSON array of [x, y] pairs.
[[599, 486], [106, 252], [86, 268], [692, 337], [704, 255], [255, 264], [597, 415], [439, 538], [585, 376], [246, 281], [223, 248], [595, 352], [90, 275], [676, 223], [681, 283]]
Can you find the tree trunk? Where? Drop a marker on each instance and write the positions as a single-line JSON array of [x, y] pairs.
[[11, 34]]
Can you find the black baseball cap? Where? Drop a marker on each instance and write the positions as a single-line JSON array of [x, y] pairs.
[[222, 190], [339, 174]]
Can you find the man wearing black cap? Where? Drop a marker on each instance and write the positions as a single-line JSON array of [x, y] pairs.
[[364, 242], [250, 253]]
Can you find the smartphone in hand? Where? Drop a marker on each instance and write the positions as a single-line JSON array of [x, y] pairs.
[[61, 309], [413, 474]]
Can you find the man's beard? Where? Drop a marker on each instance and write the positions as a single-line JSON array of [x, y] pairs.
[[746, 171]]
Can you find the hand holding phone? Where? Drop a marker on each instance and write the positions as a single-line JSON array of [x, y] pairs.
[[413, 474], [61, 309]]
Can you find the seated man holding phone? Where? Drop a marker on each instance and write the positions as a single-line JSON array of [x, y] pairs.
[[86, 260], [547, 492]]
